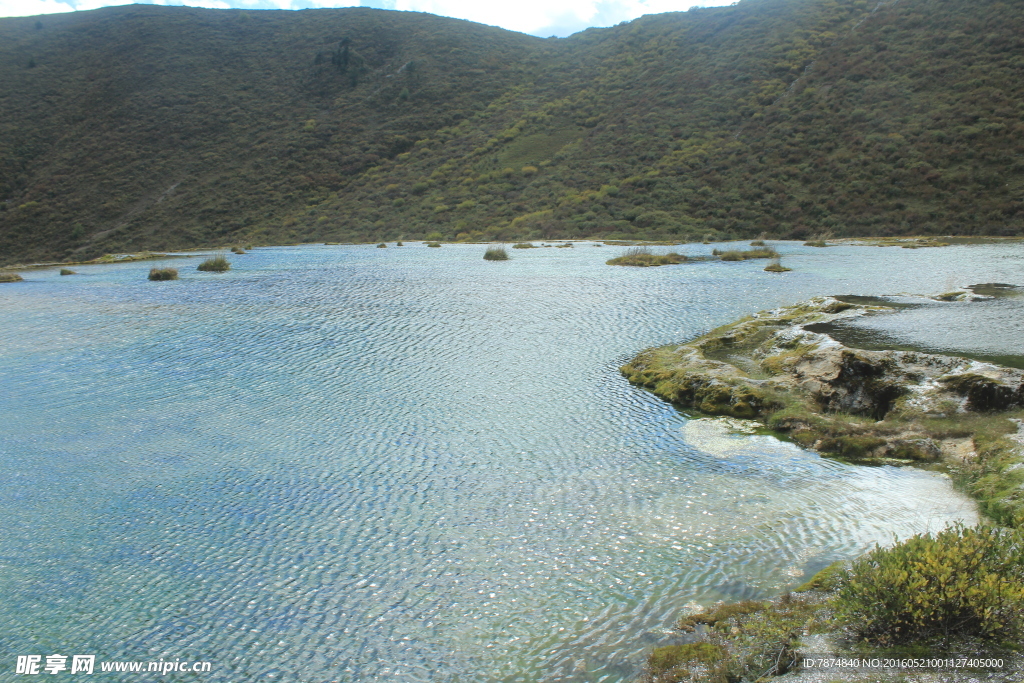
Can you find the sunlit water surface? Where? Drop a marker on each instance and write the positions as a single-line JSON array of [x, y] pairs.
[[410, 464]]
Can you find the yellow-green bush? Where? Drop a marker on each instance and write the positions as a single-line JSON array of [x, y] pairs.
[[962, 581]]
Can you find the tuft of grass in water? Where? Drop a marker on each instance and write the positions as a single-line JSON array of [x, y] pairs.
[[496, 254], [776, 267], [158, 274], [66, 271], [759, 242], [433, 244], [399, 243], [819, 240], [237, 250], [643, 257], [217, 264], [524, 245], [382, 246], [744, 255], [10, 277], [567, 245]]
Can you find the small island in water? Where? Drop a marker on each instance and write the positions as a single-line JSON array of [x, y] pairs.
[[954, 592]]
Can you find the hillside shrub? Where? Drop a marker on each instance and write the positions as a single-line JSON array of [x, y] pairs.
[[961, 582]]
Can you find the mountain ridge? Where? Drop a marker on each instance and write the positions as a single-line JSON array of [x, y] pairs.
[[146, 127]]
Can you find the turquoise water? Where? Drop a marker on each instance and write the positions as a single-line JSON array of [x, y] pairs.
[[343, 463]]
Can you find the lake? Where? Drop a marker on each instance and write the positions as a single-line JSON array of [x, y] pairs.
[[345, 463]]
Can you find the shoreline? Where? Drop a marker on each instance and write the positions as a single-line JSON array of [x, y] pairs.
[[902, 408]]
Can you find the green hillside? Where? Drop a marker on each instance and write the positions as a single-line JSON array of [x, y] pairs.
[[148, 127]]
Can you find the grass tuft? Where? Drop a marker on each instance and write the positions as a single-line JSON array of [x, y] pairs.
[[524, 245], [66, 271], [10, 277], [158, 274], [217, 264], [237, 250], [643, 257], [744, 255], [382, 245], [433, 244], [496, 254]]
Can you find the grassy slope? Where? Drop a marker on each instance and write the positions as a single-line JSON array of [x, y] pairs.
[[156, 127]]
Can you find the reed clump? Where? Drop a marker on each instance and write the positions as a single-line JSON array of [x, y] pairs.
[[776, 267], [819, 240], [382, 246], [524, 245], [433, 244], [158, 274], [643, 257], [746, 255], [66, 271], [217, 264], [237, 250], [10, 277], [496, 254]]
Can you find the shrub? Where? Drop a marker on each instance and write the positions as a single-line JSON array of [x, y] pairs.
[[10, 277], [66, 271], [163, 274], [237, 250], [961, 582], [217, 264], [399, 243], [496, 254]]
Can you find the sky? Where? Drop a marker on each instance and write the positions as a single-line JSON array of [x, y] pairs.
[[537, 17]]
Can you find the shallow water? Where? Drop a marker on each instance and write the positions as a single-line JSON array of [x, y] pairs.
[[410, 464]]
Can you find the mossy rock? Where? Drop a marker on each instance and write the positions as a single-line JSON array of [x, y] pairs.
[[664, 660], [830, 578]]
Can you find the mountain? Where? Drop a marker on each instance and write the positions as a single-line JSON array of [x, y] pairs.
[[150, 127]]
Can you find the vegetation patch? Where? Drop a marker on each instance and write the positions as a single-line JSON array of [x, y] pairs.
[[524, 245], [643, 257], [960, 582], [163, 274], [10, 277], [237, 250], [434, 244], [66, 271], [217, 264], [744, 255], [382, 245], [496, 254]]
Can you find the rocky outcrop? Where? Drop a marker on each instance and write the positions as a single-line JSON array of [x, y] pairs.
[[858, 404]]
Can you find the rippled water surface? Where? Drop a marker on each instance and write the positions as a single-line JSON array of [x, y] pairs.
[[410, 464]]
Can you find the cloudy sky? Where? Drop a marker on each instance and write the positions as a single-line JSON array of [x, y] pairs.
[[539, 17]]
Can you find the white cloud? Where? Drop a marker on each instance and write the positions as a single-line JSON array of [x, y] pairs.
[[28, 8], [539, 17]]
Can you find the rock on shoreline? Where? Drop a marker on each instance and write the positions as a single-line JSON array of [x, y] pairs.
[[865, 406]]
